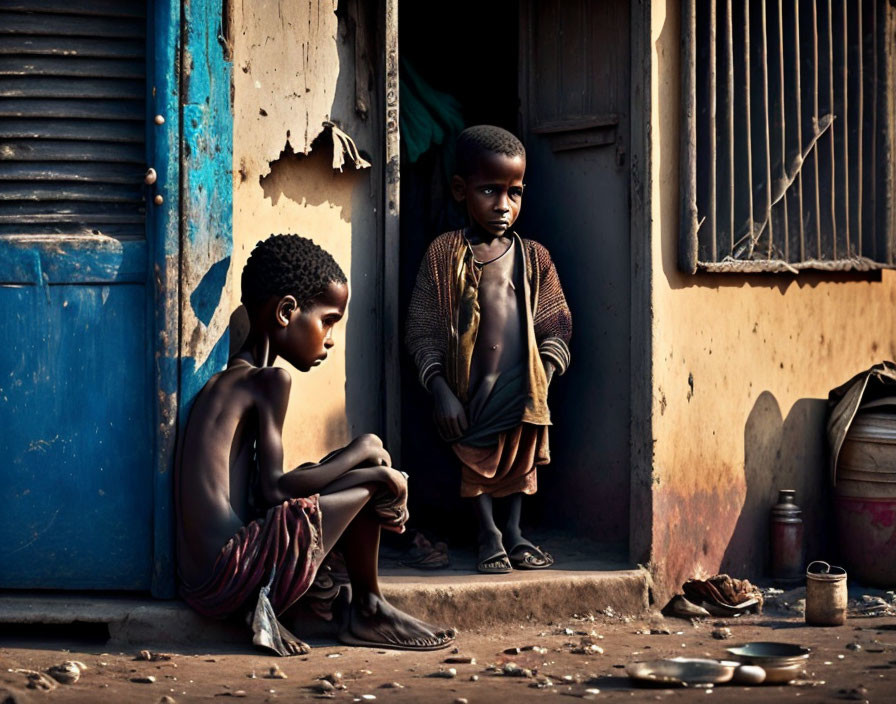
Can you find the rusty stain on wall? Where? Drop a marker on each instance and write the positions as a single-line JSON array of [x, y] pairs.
[[763, 351]]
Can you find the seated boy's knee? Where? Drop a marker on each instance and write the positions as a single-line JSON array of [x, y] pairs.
[[371, 440]]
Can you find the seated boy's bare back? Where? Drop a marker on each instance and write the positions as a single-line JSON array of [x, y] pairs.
[[214, 502]]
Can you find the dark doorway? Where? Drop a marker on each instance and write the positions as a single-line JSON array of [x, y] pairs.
[[556, 73]]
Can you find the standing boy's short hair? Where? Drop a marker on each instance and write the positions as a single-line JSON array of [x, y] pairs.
[[288, 265], [476, 140]]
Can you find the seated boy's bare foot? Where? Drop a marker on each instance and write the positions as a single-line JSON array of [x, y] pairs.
[[373, 622], [296, 647]]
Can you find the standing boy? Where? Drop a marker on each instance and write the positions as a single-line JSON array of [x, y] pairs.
[[488, 327], [250, 536]]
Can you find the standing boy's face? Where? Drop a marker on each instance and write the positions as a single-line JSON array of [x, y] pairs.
[[309, 330], [493, 192]]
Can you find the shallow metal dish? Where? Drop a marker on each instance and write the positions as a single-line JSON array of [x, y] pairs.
[[769, 653], [681, 671], [782, 674]]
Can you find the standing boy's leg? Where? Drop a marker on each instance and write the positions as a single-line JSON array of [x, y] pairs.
[[523, 553], [492, 556]]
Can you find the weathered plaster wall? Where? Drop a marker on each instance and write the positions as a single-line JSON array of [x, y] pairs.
[[294, 69], [742, 365]]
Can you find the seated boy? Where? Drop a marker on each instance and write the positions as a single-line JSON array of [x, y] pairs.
[[488, 327], [251, 536]]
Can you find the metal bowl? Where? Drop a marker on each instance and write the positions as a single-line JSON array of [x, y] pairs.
[[770, 654], [681, 671]]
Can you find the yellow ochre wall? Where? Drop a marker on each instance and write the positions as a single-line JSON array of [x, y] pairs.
[[761, 353], [294, 69]]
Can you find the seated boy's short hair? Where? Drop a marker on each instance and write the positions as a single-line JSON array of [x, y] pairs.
[[475, 141], [284, 265]]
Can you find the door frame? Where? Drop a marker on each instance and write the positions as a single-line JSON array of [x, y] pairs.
[[162, 224]]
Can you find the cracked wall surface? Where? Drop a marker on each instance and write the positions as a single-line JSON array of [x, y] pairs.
[[742, 368], [293, 71]]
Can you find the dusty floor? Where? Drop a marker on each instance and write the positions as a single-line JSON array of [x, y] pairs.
[[837, 669]]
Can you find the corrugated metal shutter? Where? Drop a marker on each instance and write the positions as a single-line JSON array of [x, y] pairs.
[[72, 117]]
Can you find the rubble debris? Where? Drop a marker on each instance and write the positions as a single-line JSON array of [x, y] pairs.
[[148, 679], [150, 656], [474, 678], [680, 607], [511, 669], [392, 685], [67, 672], [460, 700], [334, 678], [275, 673], [325, 687], [461, 660], [853, 646], [165, 699], [859, 693], [724, 595], [722, 633], [37, 680], [449, 673]]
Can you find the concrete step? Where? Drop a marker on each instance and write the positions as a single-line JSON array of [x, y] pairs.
[[453, 598]]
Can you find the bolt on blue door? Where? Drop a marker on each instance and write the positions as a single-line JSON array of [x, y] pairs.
[[76, 406]]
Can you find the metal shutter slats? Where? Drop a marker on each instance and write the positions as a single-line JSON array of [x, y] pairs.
[[72, 118]]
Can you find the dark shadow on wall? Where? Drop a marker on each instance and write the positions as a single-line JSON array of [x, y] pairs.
[[782, 454]]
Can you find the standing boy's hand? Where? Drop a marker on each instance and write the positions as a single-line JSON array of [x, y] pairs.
[[449, 414]]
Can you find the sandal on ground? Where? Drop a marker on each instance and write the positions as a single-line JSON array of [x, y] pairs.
[[498, 563], [530, 557]]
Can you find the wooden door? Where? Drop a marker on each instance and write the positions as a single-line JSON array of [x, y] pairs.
[[77, 399], [574, 88]]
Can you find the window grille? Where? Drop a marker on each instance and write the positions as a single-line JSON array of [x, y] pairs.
[[787, 135]]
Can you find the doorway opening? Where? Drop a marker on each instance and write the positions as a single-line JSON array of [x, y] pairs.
[[488, 63]]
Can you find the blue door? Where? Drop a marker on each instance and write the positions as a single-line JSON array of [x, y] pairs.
[[79, 405]]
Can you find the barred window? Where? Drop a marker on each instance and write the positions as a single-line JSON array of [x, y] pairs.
[[787, 135]]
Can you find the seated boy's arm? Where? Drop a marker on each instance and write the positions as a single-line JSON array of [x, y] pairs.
[[365, 452]]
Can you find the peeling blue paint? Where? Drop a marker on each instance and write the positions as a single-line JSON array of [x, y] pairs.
[[207, 295], [193, 377]]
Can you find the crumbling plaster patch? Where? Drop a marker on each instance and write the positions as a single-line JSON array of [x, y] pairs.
[[287, 65]]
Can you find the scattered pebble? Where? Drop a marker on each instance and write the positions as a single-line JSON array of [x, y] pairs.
[[325, 687], [474, 678], [856, 693], [275, 673], [449, 673], [841, 657], [853, 646], [334, 655], [723, 633], [460, 660], [149, 679], [38, 680], [368, 697], [68, 672], [392, 685], [660, 631], [150, 656], [165, 699], [334, 678], [460, 700]]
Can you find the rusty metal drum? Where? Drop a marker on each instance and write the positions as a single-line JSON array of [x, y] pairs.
[[865, 499]]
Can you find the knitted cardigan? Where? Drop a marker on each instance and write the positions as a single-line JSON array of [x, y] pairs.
[[441, 343]]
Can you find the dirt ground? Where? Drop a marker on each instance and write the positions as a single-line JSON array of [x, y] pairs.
[[854, 662]]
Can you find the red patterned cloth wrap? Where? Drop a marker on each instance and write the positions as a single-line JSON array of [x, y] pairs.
[[287, 540]]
